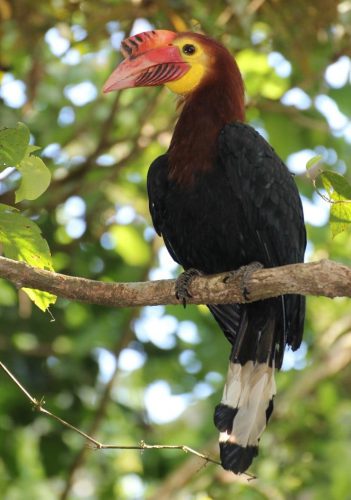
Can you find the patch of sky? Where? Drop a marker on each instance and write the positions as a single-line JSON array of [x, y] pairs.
[[125, 214], [71, 57], [132, 487], [116, 39], [107, 242], [113, 26], [58, 44], [258, 36], [52, 151], [189, 361], [296, 97], [76, 160], [105, 160], [261, 130], [71, 215], [297, 161], [81, 93], [160, 331], [134, 177], [161, 405], [13, 91], [309, 251], [66, 116], [141, 25], [78, 32], [6, 172], [75, 206], [166, 268], [149, 233], [347, 133], [131, 359], [331, 112], [107, 363], [202, 390], [295, 359], [316, 212], [281, 65], [188, 332], [338, 74], [214, 378], [75, 228]]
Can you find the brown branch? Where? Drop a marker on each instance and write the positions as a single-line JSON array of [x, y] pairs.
[[324, 278]]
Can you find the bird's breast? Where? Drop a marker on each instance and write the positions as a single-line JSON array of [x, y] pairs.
[[203, 223]]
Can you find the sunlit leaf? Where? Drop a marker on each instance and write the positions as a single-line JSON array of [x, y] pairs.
[[340, 217], [313, 161], [22, 240], [336, 184], [339, 191], [40, 298], [13, 145], [35, 178]]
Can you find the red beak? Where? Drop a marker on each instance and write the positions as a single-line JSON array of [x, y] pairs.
[[150, 60]]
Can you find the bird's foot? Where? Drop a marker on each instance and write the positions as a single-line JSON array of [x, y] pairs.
[[244, 275], [182, 284]]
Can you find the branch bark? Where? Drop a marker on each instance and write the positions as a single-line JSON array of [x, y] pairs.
[[324, 278]]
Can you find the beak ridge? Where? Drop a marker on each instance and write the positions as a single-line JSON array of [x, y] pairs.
[[150, 60]]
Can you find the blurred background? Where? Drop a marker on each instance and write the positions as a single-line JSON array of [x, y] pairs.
[[156, 373]]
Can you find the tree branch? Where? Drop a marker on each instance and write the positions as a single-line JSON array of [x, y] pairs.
[[325, 278]]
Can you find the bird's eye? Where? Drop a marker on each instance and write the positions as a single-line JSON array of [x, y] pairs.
[[189, 49]]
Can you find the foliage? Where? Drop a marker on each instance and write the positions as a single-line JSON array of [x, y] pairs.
[[20, 237], [127, 375], [338, 195]]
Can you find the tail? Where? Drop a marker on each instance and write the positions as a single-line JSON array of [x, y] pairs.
[[242, 416], [257, 334]]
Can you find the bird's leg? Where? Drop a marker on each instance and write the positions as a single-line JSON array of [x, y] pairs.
[[244, 275], [182, 284]]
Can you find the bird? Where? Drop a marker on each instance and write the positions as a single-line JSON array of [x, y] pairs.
[[223, 200]]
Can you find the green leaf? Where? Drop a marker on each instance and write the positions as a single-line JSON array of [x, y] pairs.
[[336, 184], [35, 178], [22, 240], [340, 217], [40, 298], [339, 191], [13, 145], [313, 161]]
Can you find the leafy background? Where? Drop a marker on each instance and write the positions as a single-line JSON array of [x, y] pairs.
[[155, 374]]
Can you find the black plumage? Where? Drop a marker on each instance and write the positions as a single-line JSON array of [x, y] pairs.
[[221, 199], [245, 209]]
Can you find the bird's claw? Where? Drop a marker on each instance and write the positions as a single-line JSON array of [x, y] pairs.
[[182, 284], [244, 275]]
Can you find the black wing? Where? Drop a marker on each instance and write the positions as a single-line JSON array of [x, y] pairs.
[[157, 187], [271, 206]]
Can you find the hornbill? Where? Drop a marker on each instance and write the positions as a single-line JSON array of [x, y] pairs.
[[221, 199]]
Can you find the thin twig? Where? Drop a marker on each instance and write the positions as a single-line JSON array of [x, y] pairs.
[[39, 406]]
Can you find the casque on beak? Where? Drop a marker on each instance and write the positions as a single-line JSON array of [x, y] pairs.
[[150, 60]]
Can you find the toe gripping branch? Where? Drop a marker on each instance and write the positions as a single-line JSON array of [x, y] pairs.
[[243, 274], [183, 282]]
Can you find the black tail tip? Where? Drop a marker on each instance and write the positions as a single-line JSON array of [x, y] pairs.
[[223, 417], [236, 458]]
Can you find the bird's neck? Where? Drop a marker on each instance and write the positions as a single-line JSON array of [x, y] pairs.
[[205, 112]]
